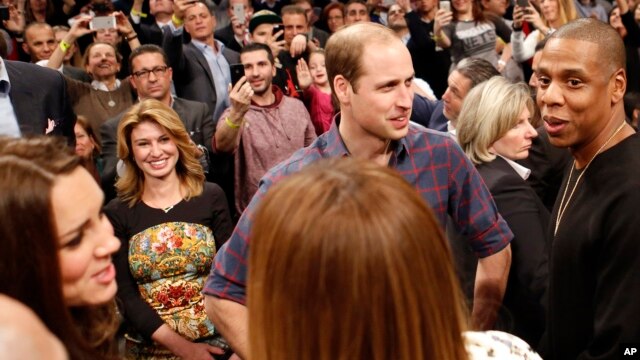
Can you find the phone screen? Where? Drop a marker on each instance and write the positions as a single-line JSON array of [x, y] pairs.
[[4, 12], [238, 11], [523, 3], [103, 22], [237, 71], [277, 28]]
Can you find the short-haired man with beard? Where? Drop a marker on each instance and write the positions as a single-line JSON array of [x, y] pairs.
[[262, 127], [370, 74], [594, 257]]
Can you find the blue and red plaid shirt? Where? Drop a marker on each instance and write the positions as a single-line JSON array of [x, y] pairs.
[[432, 161]]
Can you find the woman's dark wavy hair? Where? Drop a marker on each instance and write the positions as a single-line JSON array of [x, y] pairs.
[[29, 267]]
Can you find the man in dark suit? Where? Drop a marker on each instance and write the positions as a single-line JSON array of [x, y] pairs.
[[34, 101], [151, 77], [234, 35], [201, 66], [314, 34], [150, 32]]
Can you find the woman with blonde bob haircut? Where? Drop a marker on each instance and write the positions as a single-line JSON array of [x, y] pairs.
[[483, 119], [357, 268], [494, 131], [170, 223]]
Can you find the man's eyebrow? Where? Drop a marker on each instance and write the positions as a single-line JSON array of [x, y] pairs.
[[392, 82], [571, 72], [382, 84]]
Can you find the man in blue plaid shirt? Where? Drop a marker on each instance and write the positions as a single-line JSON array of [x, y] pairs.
[[371, 73]]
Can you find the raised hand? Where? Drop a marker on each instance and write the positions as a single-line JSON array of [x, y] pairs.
[[180, 6], [405, 4], [79, 28], [122, 22], [531, 15], [240, 96], [275, 45], [298, 45], [16, 22], [442, 19], [304, 75], [518, 16]]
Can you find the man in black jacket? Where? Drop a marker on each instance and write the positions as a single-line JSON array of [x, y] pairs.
[[34, 101]]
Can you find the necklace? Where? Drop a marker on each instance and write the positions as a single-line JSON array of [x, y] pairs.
[[167, 209], [563, 205], [112, 103]]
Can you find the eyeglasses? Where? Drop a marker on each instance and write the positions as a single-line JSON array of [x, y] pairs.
[[157, 71]]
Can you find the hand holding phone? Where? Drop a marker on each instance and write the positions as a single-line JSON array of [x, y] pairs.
[[277, 28], [237, 72]]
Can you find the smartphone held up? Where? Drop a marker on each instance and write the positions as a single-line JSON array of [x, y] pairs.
[[103, 22], [446, 5]]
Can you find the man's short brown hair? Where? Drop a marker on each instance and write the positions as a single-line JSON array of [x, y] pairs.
[[346, 48]]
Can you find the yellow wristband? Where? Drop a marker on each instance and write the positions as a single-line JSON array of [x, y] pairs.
[[231, 124], [138, 13], [64, 46], [177, 21]]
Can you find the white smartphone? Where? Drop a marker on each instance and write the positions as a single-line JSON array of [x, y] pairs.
[[238, 11], [445, 5], [103, 22]]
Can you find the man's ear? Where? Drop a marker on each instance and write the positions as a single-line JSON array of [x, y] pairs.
[[343, 90], [25, 48], [618, 84]]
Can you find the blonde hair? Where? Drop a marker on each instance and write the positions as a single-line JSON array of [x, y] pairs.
[[357, 268], [131, 185], [566, 12], [490, 110]]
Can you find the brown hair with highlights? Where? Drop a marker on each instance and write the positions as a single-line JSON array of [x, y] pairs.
[[357, 268], [131, 185]]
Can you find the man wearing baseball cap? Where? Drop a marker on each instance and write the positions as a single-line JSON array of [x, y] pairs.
[[261, 30]]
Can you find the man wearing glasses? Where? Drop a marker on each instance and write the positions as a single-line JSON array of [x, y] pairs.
[[151, 78]]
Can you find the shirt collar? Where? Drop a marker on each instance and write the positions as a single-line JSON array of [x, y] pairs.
[[452, 130], [162, 25], [521, 170], [335, 144], [5, 83], [99, 85], [202, 46]]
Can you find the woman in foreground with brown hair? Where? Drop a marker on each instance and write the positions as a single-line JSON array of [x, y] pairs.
[[57, 245], [348, 262]]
